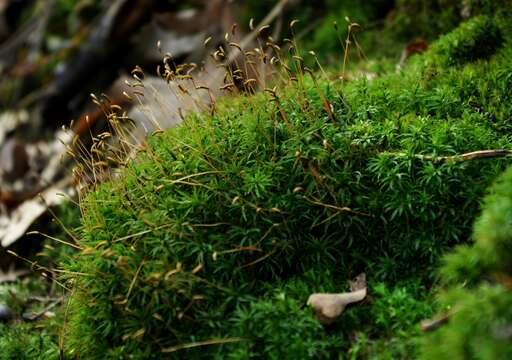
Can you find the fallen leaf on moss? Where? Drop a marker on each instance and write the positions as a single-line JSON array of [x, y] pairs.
[[328, 307]]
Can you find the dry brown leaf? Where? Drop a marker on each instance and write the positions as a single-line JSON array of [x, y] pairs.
[[328, 307]]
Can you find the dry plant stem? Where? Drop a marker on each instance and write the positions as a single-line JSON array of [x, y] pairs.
[[431, 325], [276, 10], [260, 259], [34, 266], [480, 154], [63, 328], [345, 55], [134, 279], [346, 48], [55, 239], [59, 221], [200, 343], [337, 208], [42, 312]]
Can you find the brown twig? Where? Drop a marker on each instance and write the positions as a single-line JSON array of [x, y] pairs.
[[434, 324], [480, 154], [201, 343], [36, 316], [343, 209]]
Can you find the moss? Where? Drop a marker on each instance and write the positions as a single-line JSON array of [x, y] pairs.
[[480, 325], [388, 27], [497, 8], [223, 225], [476, 39], [277, 325], [388, 326], [479, 328], [493, 229], [26, 342], [21, 338], [493, 233]]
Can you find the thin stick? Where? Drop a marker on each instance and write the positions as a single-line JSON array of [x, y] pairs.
[[42, 312], [55, 239], [480, 154], [434, 324], [337, 208], [201, 343], [276, 10], [258, 260], [134, 279], [36, 267]]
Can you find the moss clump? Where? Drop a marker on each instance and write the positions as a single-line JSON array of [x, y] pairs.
[[386, 327], [26, 336], [226, 223], [496, 8], [389, 26], [31, 339], [476, 39], [480, 327], [26, 341]]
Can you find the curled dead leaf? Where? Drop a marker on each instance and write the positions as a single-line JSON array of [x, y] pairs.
[[328, 307]]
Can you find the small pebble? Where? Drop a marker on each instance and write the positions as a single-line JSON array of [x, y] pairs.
[[5, 313]]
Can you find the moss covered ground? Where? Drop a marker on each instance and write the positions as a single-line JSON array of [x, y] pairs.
[[209, 243], [477, 287]]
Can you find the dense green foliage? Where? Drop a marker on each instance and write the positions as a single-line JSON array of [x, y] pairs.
[[387, 27], [38, 339], [26, 340], [386, 328], [473, 40], [480, 327], [390, 25], [224, 225], [260, 205]]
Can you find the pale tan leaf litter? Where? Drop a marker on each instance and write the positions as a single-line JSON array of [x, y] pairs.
[[328, 307]]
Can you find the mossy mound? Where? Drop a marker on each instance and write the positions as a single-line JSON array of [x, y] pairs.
[[389, 26], [21, 338], [211, 240], [481, 324], [26, 342], [473, 40]]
